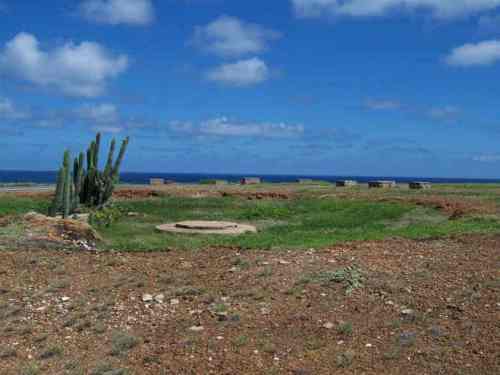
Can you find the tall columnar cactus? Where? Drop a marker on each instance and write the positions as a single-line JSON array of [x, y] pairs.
[[91, 187], [98, 185], [64, 199]]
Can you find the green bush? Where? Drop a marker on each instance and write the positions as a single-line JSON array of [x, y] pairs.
[[106, 216]]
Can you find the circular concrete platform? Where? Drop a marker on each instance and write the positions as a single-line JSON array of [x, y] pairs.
[[207, 227]]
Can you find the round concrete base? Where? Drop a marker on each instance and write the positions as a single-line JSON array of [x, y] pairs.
[[207, 227]]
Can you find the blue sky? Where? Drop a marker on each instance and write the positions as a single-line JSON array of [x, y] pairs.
[[337, 87]]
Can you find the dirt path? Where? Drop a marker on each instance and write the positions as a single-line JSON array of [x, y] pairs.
[[428, 307]]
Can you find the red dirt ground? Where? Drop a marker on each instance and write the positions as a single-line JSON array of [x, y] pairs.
[[60, 310]]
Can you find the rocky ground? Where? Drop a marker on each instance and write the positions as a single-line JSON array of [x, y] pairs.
[[388, 307]]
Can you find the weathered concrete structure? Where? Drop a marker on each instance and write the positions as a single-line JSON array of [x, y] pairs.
[[420, 185], [157, 181], [346, 183], [250, 181], [383, 184], [207, 227]]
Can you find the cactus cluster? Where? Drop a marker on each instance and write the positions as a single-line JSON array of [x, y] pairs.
[[90, 187]]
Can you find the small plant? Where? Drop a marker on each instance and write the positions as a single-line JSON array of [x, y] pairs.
[[350, 275], [122, 342], [105, 217], [345, 359], [345, 329], [30, 369]]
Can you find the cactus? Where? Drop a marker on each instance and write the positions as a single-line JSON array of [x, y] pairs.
[[98, 185], [64, 198], [90, 187]]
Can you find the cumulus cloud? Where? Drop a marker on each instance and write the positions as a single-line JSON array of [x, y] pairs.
[[241, 73], [114, 12], [480, 54], [224, 127], [230, 36], [75, 69], [372, 8], [9, 111]]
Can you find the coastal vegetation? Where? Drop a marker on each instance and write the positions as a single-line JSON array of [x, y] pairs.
[[90, 187]]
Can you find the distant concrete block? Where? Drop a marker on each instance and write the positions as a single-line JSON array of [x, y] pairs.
[[251, 181], [214, 182], [305, 181], [157, 181], [420, 185], [382, 184], [346, 183]]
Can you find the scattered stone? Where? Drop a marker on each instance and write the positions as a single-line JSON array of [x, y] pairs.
[[437, 332], [147, 298], [283, 262], [196, 328], [328, 325], [368, 345], [407, 312], [407, 338], [160, 298], [174, 301], [65, 299]]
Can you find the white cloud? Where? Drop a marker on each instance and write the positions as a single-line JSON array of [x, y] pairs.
[[487, 158], [483, 53], [229, 36], [75, 69], [372, 8], [9, 111], [114, 12], [102, 113], [224, 127], [241, 73], [107, 129], [377, 105]]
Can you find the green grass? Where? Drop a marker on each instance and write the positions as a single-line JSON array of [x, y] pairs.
[[10, 205], [302, 223], [292, 224]]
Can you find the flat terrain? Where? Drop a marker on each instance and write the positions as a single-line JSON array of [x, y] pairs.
[[337, 281]]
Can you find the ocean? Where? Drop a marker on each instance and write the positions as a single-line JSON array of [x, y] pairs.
[[49, 177]]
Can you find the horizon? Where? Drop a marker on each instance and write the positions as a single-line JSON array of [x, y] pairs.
[[295, 87]]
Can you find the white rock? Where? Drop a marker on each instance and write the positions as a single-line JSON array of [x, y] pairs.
[[196, 328], [160, 298], [147, 297], [174, 301], [407, 312], [328, 325], [65, 299]]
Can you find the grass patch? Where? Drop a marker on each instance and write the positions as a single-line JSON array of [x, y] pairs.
[[10, 205], [122, 342], [302, 223], [350, 276]]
